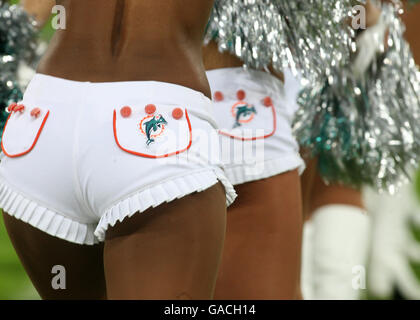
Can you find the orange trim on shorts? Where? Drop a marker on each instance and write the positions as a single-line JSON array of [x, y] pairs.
[[255, 138], [148, 155], [33, 144]]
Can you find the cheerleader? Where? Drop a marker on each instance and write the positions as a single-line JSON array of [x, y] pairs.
[[254, 110], [363, 129], [105, 172]]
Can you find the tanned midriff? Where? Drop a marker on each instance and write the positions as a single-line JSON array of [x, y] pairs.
[[131, 40]]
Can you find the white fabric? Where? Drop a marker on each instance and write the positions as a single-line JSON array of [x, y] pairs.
[[306, 282], [77, 181], [168, 139], [369, 43], [15, 140], [292, 88], [393, 246], [337, 251], [262, 145]]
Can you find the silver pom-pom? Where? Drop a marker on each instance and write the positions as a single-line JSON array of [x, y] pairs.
[[365, 128], [17, 43], [17, 32], [305, 35]]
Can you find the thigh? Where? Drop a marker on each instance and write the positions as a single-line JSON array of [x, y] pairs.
[[323, 194], [168, 252], [83, 273], [317, 193], [261, 259], [307, 180]]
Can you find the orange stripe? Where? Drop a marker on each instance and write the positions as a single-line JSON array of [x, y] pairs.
[[33, 144]]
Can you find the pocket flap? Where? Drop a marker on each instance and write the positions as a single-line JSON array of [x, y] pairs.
[[245, 121], [22, 131], [152, 131]]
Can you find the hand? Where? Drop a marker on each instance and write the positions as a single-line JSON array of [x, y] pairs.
[[373, 14], [39, 9]]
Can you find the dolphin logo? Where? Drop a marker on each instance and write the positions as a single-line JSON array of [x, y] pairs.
[[243, 111], [152, 126]]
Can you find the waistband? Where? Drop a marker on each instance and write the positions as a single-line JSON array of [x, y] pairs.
[[55, 89], [255, 80]]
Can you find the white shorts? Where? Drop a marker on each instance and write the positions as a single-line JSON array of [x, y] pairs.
[[254, 113], [80, 156]]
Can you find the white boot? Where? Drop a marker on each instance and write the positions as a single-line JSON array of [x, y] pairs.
[[339, 246], [306, 273], [393, 243]]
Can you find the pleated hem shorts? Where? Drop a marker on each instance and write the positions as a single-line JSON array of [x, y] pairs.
[[77, 157], [254, 112]]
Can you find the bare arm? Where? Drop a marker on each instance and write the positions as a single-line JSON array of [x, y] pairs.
[[373, 14], [39, 9]]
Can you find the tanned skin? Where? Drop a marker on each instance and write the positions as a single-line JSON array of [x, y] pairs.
[[169, 252], [39, 9], [123, 40], [412, 21], [261, 259]]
